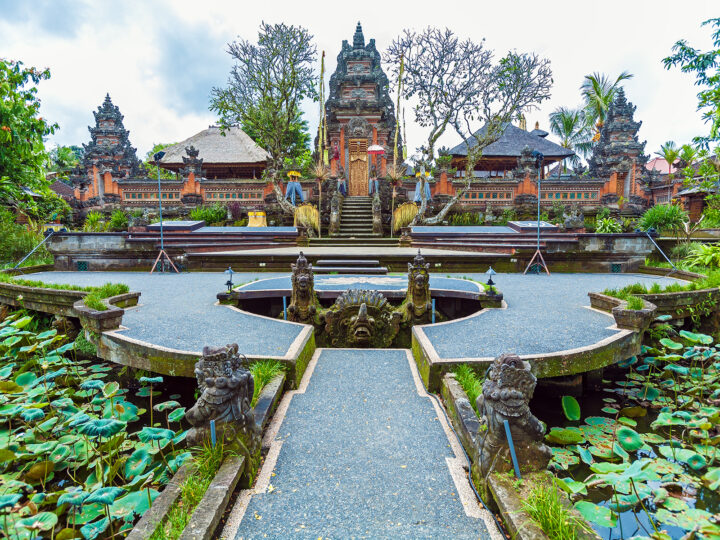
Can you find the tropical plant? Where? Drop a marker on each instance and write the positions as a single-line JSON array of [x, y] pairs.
[[608, 226], [707, 255], [670, 153], [216, 213], [572, 127], [598, 91], [706, 66], [118, 221], [264, 371], [16, 241], [94, 222], [267, 84], [151, 168], [470, 383], [664, 217]]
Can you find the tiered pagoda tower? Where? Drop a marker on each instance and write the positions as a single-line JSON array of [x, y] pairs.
[[108, 157], [619, 153], [359, 113]]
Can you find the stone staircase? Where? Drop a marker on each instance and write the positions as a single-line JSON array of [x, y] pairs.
[[356, 218], [349, 266]]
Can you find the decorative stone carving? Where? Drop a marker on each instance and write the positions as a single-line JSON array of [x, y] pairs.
[[303, 302], [417, 307], [358, 127], [335, 213], [193, 164], [506, 394], [377, 214], [361, 318], [226, 391], [574, 218]]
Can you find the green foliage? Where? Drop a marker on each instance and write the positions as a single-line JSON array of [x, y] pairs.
[[546, 507], [608, 226], [664, 217], [83, 346], [705, 255], [683, 250], [508, 214], [635, 303], [22, 130], [706, 67], [574, 131], [263, 371], [266, 86], [94, 299], [216, 213], [603, 213], [69, 426], [466, 218], [16, 241], [118, 221], [62, 159], [94, 222], [470, 383], [598, 91]]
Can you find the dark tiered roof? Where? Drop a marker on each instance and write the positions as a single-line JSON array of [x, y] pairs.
[[511, 143]]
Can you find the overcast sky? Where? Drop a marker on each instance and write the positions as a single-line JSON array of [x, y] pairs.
[[159, 59]]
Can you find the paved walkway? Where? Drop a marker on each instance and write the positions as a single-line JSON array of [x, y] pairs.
[[360, 451]]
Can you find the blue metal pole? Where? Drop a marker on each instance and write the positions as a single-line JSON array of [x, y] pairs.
[[213, 437], [285, 307], [512, 449], [162, 240], [433, 311]]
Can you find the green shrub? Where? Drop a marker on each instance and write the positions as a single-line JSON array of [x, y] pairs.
[[209, 214], [664, 217], [94, 222], [16, 241], [683, 250], [94, 299], [466, 218], [608, 226], [635, 303], [704, 255], [263, 372], [711, 218], [603, 213], [118, 221]]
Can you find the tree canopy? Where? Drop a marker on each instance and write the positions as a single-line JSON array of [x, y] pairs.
[[460, 84], [22, 149], [706, 67], [149, 163]]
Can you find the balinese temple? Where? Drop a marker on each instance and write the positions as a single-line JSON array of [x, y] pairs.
[[209, 167], [359, 113]]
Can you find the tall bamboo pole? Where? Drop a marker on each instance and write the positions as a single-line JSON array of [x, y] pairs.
[[395, 147]]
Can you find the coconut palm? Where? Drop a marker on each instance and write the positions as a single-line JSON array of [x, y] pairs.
[[670, 153], [571, 126], [599, 90]]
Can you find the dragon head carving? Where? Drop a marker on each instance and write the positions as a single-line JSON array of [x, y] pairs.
[[361, 318]]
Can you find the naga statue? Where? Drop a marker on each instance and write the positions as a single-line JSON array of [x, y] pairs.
[[303, 302], [361, 318], [506, 394], [417, 306], [226, 391]]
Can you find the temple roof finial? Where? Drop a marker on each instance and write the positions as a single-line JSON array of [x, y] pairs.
[[358, 38]]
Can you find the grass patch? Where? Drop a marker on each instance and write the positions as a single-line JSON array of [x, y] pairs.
[[635, 303], [94, 299], [263, 372], [710, 281], [546, 507], [470, 383], [207, 461]]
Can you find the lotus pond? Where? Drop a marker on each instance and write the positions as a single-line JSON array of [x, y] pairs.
[[641, 457], [80, 455]]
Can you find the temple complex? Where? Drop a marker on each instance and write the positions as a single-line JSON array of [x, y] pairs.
[[359, 113]]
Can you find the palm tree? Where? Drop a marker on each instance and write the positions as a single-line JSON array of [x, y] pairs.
[[670, 153], [574, 131], [599, 92]]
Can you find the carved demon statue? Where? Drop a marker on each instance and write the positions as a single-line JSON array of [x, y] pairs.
[[361, 318], [303, 302], [506, 394], [417, 307], [226, 391]]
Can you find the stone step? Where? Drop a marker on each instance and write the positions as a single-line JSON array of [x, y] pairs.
[[346, 262], [380, 270]]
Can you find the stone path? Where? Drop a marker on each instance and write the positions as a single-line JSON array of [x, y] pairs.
[[360, 451]]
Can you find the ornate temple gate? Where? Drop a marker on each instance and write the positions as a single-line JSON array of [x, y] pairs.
[[358, 181]]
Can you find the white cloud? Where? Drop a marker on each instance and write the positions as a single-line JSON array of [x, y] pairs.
[[159, 60]]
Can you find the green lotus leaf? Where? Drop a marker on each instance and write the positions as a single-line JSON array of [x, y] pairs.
[[94, 529], [177, 415], [609, 410], [155, 434], [696, 462], [40, 471], [685, 520], [663, 318], [110, 389], [78, 419], [22, 322], [653, 438], [600, 515], [47, 425], [151, 380], [68, 534], [42, 521], [145, 392], [6, 455], [571, 408], [59, 454], [31, 415], [165, 405], [675, 504], [607, 424], [180, 437], [670, 344], [585, 455], [9, 500], [627, 421], [692, 337], [572, 486], [121, 410], [92, 384], [106, 495], [563, 458], [89, 512], [649, 393], [603, 452], [680, 370], [175, 463], [175, 396], [6, 370], [623, 503], [633, 412], [73, 498], [629, 439], [604, 468], [137, 463], [133, 504], [10, 410], [711, 478], [102, 427], [9, 387]]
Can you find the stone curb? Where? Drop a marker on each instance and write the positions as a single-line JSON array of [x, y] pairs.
[[268, 400], [155, 515], [207, 514], [461, 413]]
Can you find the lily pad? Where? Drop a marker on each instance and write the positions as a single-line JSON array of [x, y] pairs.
[[670, 344], [137, 463], [106, 495], [600, 515], [42, 521], [571, 408], [562, 436], [177, 415], [94, 529], [629, 439]]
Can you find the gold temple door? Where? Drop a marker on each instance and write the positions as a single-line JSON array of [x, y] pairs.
[[358, 181]]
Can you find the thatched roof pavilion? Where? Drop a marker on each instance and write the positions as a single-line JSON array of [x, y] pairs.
[[232, 154]]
